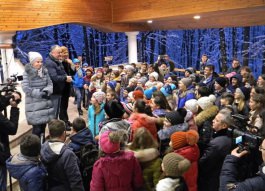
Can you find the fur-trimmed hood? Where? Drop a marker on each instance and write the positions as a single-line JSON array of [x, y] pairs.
[[206, 114], [145, 155], [33, 72]]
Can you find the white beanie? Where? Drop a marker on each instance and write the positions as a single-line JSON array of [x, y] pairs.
[[155, 75], [192, 105], [205, 102], [33, 56]]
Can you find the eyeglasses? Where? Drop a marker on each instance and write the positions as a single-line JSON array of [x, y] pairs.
[[261, 149]]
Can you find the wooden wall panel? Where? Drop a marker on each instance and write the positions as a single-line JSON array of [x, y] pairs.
[[28, 14]]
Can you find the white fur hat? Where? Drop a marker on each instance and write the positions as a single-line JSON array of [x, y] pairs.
[[205, 102], [33, 56]]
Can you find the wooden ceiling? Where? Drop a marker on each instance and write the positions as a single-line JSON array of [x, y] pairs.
[[131, 15]]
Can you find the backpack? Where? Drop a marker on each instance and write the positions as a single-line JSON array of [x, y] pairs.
[[88, 154]]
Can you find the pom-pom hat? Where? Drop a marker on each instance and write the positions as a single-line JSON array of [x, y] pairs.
[[181, 139], [107, 145]]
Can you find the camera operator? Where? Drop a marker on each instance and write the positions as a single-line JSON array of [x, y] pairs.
[[229, 178], [7, 127]]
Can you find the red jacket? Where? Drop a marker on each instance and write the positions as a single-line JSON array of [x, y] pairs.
[[192, 153], [139, 120], [117, 172]]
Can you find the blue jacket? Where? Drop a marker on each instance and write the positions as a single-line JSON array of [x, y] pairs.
[[229, 175], [31, 174], [57, 74], [63, 169], [94, 120], [80, 139], [182, 100], [78, 80]]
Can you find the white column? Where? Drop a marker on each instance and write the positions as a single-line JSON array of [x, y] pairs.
[[132, 46], [8, 62]]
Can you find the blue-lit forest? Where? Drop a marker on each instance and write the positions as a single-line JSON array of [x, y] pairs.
[[184, 47]]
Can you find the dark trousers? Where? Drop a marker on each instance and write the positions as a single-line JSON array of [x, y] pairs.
[[39, 130], [63, 115]]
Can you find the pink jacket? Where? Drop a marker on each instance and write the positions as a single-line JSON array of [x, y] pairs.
[[117, 172]]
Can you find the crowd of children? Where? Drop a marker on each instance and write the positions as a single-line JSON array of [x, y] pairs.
[[152, 127]]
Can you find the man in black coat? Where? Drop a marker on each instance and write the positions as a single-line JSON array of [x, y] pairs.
[[229, 179], [7, 127], [58, 76], [210, 164]]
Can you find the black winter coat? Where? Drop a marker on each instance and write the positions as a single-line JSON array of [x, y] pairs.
[[7, 127], [57, 74], [229, 177], [210, 164]]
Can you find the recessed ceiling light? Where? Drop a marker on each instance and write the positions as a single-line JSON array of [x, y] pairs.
[[149, 21], [197, 17]]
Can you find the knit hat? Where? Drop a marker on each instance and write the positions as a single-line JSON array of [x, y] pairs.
[[155, 75], [112, 85], [76, 61], [90, 69], [190, 70], [149, 92], [186, 81], [175, 165], [192, 105], [109, 144], [129, 67], [85, 65], [142, 81], [245, 92], [100, 97], [100, 70], [114, 109], [129, 89], [221, 81], [181, 139], [33, 56], [176, 117], [138, 94], [205, 102], [128, 107]]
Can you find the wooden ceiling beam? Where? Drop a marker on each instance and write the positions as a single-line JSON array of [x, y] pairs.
[[139, 10]]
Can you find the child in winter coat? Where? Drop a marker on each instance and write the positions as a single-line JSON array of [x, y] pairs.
[[174, 121], [185, 144], [139, 118], [115, 169], [96, 112], [26, 166], [173, 165], [145, 150], [81, 136]]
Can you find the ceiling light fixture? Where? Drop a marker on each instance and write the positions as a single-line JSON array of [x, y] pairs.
[[149, 21], [197, 17]]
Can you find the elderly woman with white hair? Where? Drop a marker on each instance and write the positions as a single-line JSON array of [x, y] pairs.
[[38, 87]]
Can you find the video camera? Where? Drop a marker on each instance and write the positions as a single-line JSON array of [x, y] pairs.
[[10, 85], [245, 139]]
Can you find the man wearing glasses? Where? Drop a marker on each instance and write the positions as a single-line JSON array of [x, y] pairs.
[[229, 174]]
